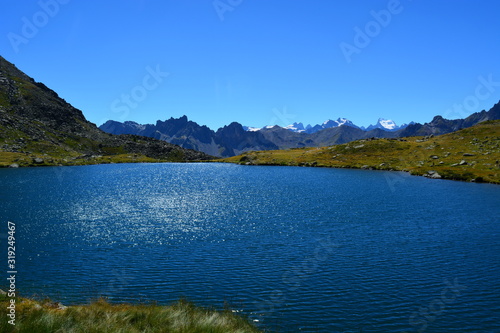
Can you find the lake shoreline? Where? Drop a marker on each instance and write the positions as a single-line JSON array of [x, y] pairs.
[[256, 163], [471, 154], [368, 168], [182, 316]]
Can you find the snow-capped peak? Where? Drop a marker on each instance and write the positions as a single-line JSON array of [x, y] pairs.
[[387, 124], [382, 123], [336, 123], [296, 127]]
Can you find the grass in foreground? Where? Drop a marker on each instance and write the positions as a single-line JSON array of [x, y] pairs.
[[100, 316], [471, 154]]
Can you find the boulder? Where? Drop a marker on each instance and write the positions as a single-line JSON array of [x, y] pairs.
[[433, 174], [463, 162], [14, 165], [57, 306]]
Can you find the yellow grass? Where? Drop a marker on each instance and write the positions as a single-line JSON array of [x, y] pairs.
[[478, 146]]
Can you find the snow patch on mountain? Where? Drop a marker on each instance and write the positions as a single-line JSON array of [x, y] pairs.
[[386, 125], [251, 129], [296, 127]]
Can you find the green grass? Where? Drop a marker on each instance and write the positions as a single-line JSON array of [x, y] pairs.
[[4, 99], [101, 316], [416, 155]]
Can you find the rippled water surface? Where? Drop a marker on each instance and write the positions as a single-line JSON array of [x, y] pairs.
[[294, 249]]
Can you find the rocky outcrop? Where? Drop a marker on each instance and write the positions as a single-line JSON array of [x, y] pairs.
[[35, 120], [440, 125]]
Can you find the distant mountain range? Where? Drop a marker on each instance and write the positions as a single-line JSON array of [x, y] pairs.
[[236, 139], [384, 124]]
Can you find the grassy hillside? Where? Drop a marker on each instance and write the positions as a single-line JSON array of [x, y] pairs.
[[100, 316], [471, 154]]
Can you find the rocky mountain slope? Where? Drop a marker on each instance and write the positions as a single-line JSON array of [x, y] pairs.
[[235, 139], [37, 127], [439, 125]]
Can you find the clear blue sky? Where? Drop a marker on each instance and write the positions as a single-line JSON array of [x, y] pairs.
[[260, 62]]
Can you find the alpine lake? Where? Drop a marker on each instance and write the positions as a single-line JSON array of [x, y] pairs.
[[293, 249]]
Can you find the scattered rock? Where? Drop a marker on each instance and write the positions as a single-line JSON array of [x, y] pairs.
[[463, 162], [61, 306], [358, 146], [365, 167], [57, 306], [38, 160], [435, 157], [433, 175], [382, 164], [13, 165], [468, 154], [454, 164]]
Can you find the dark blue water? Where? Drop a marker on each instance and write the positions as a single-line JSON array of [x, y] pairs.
[[294, 249]]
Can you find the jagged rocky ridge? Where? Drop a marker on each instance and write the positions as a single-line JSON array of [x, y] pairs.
[[233, 140]]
